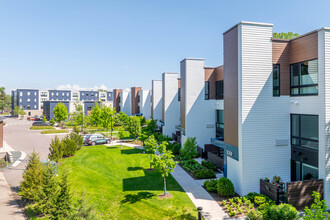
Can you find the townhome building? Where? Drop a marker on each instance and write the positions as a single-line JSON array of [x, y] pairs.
[[116, 99], [170, 103], [125, 104], [135, 108], [156, 100], [145, 103]]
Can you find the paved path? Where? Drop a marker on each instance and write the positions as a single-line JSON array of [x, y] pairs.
[[198, 195], [9, 209]]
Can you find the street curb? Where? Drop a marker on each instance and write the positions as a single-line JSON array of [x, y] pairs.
[[17, 162]]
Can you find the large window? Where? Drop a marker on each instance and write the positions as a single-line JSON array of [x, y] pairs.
[[304, 78], [305, 131], [219, 123], [207, 90], [276, 80], [219, 89]]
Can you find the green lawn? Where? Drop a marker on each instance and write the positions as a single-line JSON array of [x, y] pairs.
[[117, 182], [53, 131], [42, 128]]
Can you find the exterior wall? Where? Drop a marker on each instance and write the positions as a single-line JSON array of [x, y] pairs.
[[89, 96], [145, 103], [109, 96], [281, 55], [1, 134], [304, 48], [183, 99], [49, 107], [156, 102], [264, 119], [231, 86], [135, 100], [171, 105], [125, 102], [103, 96], [88, 105], [59, 95], [199, 113], [116, 99], [75, 96], [23, 99], [210, 76]]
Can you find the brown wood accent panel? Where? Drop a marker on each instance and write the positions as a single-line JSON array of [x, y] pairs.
[[210, 77], [183, 94], [219, 73], [231, 87], [281, 55], [273, 192], [179, 83], [304, 48], [299, 194], [135, 100], [116, 99], [1, 134]]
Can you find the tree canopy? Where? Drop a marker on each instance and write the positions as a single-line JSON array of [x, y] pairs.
[[60, 112], [282, 35]]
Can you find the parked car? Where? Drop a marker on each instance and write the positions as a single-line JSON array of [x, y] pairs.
[[40, 123], [94, 139]]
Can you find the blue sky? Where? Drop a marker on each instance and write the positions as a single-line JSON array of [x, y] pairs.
[[119, 44]]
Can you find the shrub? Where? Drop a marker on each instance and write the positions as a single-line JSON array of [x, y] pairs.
[[255, 215], [189, 149], [52, 122], [232, 213], [282, 211], [211, 186], [209, 165], [204, 174], [122, 134], [77, 138], [69, 146], [224, 202], [259, 200], [317, 209], [55, 150], [53, 131], [174, 147], [190, 165], [225, 187]]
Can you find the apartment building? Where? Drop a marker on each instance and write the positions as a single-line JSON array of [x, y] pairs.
[[156, 100], [145, 103], [170, 103], [28, 99]]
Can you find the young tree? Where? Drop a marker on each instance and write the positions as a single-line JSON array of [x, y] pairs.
[[189, 149], [150, 147], [22, 112], [44, 120], [63, 200], [55, 150], [60, 113], [283, 35], [77, 138], [96, 113], [2, 98], [163, 162], [32, 178], [16, 110], [69, 146], [82, 209], [134, 126], [78, 116], [107, 116], [121, 119]]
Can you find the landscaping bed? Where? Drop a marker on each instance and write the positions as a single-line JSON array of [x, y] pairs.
[[42, 128], [55, 131], [197, 170]]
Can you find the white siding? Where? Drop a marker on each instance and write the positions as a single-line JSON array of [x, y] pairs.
[[125, 102], [157, 100], [264, 118], [200, 113], [145, 107], [171, 105]]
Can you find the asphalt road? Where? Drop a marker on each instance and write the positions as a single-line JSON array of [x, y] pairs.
[[18, 136]]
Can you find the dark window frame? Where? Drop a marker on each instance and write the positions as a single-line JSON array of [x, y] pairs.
[[207, 90], [219, 90], [279, 80], [302, 86], [299, 138], [179, 94], [219, 123]]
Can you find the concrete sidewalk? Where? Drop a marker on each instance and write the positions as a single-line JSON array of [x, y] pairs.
[[198, 195], [9, 208]]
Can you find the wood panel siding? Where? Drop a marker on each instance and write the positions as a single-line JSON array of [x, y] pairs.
[[116, 103], [210, 76], [135, 100], [219, 73], [179, 83], [231, 87], [281, 55], [304, 48]]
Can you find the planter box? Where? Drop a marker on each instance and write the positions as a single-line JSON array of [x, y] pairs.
[[275, 193]]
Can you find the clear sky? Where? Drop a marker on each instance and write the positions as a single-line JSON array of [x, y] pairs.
[[124, 43]]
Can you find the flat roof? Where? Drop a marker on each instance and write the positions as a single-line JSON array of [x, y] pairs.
[[251, 23]]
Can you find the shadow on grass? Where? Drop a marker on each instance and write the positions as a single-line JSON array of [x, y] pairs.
[[112, 147], [133, 198], [181, 214], [151, 181], [134, 168], [131, 151]]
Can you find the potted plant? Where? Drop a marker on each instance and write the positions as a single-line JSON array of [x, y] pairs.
[[266, 179], [277, 179]]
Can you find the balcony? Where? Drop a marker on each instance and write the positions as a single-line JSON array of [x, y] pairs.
[[229, 150]]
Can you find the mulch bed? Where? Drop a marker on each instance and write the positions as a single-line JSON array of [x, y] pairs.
[[190, 173]]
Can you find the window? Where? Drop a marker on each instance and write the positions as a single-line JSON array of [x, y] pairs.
[[62, 93], [179, 94], [52, 94], [67, 94], [219, 89], [28, 107], [276, 80], [21, 93], [20, 100], [305, 131], [35, 100], [35, 106], [207, 90], [304, 78], [43, 94], [35, 93], [82, 94], [219, 123], [28, 93], [96, 95], [28, 100]]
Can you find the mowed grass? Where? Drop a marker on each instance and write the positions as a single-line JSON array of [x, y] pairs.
[[53, 131], [118, 183], [42, 128]]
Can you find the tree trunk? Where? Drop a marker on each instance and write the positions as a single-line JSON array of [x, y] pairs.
[[165, 193]]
